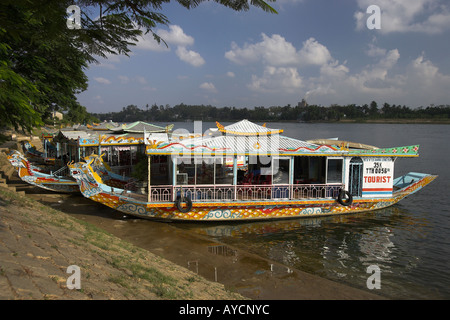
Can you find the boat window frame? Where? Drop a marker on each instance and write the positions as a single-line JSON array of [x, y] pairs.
[[342, 170], [277, 158], [196, 160]]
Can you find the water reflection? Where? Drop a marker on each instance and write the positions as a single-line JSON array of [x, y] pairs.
[[339, 247]]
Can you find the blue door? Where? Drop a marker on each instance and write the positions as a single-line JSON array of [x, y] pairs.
[[356, 177]]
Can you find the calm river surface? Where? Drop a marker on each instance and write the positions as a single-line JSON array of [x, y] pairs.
[[409, 242]]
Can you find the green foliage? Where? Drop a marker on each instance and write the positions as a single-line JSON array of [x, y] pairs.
[[42, 62], [309, 113]]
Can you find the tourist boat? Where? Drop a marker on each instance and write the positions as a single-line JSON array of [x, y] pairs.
[[60, 180], [271, 177]]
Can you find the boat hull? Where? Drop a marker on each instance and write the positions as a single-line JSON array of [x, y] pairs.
[[92, 187], [129, 203], [239, 211]]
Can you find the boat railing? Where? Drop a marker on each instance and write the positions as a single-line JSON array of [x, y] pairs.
[[208, 193], [62, 172]]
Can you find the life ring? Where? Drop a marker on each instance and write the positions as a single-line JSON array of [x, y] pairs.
[[180, 201], [341, 196]]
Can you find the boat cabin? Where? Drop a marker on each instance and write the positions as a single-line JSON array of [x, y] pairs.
[[120, 144], [249, 162]]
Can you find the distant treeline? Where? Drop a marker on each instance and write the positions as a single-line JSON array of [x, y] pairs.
[[301, 112]]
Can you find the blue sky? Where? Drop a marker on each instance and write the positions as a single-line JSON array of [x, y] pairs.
[[320, 50]]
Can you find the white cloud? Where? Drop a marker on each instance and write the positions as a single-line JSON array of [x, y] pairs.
[[277, 80], [334, 70], [141, 80], [190, 56], [230, 74], [427, 82], [208, 86], [419, 83], [374, 51], [337, 83], [98, 99], [102, 80], [123, 79], [149, 88], [274, 50], [176, 36], [424, 16], [314, 53], [281, 60], [147, 42]]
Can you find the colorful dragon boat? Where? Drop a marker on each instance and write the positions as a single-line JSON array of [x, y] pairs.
[[246, 171], [57, 181], [60, 180]]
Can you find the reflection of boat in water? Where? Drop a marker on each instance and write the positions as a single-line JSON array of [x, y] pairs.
[[278, 227], [281, 177]]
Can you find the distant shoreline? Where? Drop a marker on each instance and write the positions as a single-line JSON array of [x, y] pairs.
[[379, 121], [396, 121]]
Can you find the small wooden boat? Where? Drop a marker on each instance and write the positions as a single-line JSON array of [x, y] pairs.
[[278, 177]]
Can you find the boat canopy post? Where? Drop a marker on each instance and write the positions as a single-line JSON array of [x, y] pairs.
[[149, 197], [235, 169]]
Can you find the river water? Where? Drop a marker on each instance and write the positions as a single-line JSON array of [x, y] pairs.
[[409, 242]]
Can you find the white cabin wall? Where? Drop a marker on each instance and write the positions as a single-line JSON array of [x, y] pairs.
[[378, 177]]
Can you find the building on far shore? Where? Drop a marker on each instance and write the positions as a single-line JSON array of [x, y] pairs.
[[57, 115], [303, 103]]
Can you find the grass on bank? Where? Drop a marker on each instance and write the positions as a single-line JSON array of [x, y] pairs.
[[137, 268]]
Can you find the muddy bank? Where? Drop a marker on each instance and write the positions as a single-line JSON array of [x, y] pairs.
[[39, 243]]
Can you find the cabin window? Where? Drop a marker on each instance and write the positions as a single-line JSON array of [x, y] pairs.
[[308, 170], [223, 171], [204, 170], [334, 170], [281, 171], [256, 170], [160, 168], [185, 171]]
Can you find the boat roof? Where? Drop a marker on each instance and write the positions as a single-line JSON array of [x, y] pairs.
[[104, 126], [247, 138], [247, 128], [141, 127]]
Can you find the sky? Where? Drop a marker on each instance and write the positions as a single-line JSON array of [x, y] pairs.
[[324, 51]]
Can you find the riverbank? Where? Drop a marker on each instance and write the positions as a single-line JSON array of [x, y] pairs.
[[38, 243]]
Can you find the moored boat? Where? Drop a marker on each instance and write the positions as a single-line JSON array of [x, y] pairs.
[[245, 171], [59, 180]]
